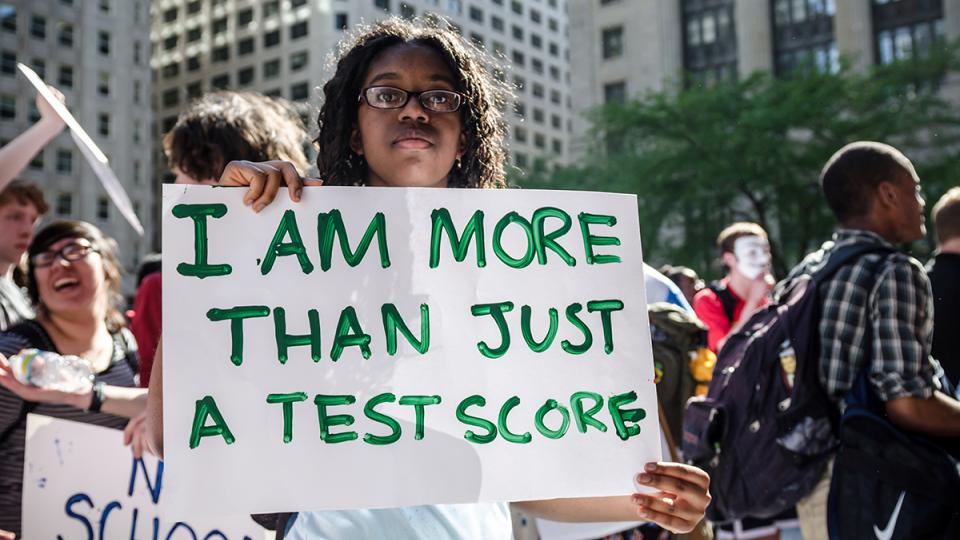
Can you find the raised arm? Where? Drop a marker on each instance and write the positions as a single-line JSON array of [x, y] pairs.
[[15, 156], [678, 504]]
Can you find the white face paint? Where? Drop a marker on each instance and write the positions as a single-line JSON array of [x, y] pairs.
[[753, 255]]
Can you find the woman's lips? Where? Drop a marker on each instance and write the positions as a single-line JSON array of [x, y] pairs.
[[412, 143]]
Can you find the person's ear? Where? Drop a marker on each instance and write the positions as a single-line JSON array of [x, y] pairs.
[[729, 259], [887, 195], [356, 142], [463, 145]]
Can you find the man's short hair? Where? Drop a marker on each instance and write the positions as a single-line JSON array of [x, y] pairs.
[[946, 215], [24, 192], [851, 176], [729, 236], [225, 126]]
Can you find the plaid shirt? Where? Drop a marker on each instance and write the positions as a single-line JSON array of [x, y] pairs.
[[889, 294]]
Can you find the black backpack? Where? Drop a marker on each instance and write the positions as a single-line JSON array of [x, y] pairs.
[[887, 483], [766, 427]]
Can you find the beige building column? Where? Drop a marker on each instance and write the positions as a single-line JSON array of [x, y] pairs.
[[754, 36], [853, 26]]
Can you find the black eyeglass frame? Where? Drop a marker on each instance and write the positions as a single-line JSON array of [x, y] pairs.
[[419, 95], [62, 253]]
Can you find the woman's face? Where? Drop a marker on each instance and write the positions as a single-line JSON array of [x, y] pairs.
[[410, 146], [71, 285]]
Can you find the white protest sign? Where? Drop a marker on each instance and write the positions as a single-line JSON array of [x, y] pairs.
[[95, 157], [79, 481], [383, 347]]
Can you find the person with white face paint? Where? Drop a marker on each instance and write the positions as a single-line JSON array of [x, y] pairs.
[[726, 305]]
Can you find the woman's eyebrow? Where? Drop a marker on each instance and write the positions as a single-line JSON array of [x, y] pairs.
[[393, 76]]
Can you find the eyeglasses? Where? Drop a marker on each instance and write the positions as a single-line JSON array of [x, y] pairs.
[[73, 251], [388, 97]]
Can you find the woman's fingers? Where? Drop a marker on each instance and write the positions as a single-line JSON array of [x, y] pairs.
[[664, 515], [683, 498], [263, 180]]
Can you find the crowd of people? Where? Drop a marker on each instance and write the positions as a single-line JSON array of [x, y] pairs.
[[416, 106]]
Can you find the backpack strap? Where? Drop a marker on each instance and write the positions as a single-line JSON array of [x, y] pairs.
[[839, 258], [726, 298]]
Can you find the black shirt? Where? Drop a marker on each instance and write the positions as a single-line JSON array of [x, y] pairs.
[[944, 272]]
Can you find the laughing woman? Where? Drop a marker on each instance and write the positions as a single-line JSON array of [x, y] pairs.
[[74, 280]]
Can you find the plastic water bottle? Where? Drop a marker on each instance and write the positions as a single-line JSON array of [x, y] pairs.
[[49, 370]]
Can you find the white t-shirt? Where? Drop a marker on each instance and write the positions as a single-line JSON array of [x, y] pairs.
[[479, 521]]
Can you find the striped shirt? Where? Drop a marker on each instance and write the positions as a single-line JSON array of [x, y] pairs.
[[13, 423], [881, 297]]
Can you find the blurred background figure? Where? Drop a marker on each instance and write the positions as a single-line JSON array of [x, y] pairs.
[[944, 272], [21, 207], [146, 316], [685, 278]]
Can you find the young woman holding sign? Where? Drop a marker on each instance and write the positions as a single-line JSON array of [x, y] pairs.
[[413, 106]]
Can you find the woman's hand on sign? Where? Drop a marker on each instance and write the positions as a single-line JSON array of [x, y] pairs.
[[135, 435], [264, 180], [681, 499], [36, 394]]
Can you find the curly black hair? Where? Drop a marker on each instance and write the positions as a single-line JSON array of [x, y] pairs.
[[482, 163]]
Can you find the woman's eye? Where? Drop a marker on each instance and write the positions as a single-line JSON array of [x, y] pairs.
[[438, 99], [388, 97]]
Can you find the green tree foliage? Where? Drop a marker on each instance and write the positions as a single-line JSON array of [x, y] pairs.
[[753, 149]]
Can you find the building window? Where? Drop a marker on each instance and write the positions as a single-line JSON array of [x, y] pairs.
[[271, 69], [538, 115], [193, 63], [8, 17], [64, 161], [65, 34], [40, 66], [299, 60], [539, 140], [64, 204], [193, 7], [382, 4], [517, 7], [476, 14], [906, 29], [557, 146], [220, 82], [170, 15], [194, 90], [219, 26], [496, 23], [65, 76], [171, 42], [8, 63], [300, 91], [612, 42], [477, 40], [170, 70], [8, 107], [103, 84], [538, 91], [171, 97], [803, 35], [38, 27], [298, 30], [615, 92], [245, 76], [220, 54], [340, 21], [103, 208], [136, 52], [194, 34], [137, 92], [553, 25], [518, 58], [244, 17], [103, 124], [271, 8], [407, 11], [710, 43], [536, 41], [245, 46], [104, 6], [103, 43], [537, 66], [520, 134], [297, 3], [136, 171], [271, 39], [555, 97], [37, 161], [517, 32]]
